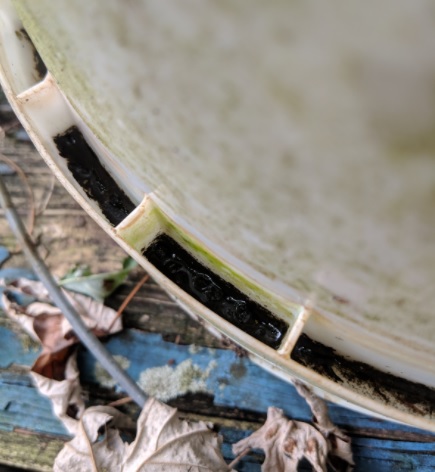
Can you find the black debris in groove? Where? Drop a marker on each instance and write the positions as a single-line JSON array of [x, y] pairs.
[[412, 396], [215, 293], [39, 65], [92, 176]]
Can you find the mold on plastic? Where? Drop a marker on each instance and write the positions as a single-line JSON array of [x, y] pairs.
[[413, 397], [40, 69], [214, 292], [97, 183]]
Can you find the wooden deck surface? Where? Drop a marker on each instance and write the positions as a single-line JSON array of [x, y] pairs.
[[234, 393]]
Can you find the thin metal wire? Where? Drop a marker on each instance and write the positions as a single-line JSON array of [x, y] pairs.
[[84, 334]]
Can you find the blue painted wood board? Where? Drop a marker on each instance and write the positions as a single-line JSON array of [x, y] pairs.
[[12, 350], [256, 390], [251, 389]]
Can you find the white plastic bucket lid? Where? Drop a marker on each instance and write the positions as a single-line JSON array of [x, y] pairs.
[[289, 148]]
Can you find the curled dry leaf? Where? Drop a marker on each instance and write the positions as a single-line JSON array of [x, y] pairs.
[[163, 443], [96, 316], [65, 395], [45, 322], [339, 444], [55, 371], [286, 442]]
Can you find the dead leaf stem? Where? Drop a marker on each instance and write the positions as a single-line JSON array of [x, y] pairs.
[[44, 203], [239, 457], [175, 440], [120, 401], [129, 298], [168, 420], [89, 445]]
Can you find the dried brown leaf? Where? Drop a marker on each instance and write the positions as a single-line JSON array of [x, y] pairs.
[[95, 315], [163, 443], [65, 395], [285, 443], [55, 370], [339, 444], [46, 324], [89, 451]]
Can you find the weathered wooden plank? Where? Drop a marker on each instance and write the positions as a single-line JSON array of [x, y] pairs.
[[29, 451], [379, 456], [15, 348], [370, 454], [231, 381], [22, 407], [63, 227], [228, 381]]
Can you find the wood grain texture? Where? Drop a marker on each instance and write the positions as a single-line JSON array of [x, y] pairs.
[[64, 233], [236, 409], [29, 451]]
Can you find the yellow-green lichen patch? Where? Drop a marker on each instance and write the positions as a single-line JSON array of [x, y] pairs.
[[166, 382]]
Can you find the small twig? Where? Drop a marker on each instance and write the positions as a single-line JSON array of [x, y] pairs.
[[128, 299], [81, 330], [121, 401], [237, 459], [318, 406], [31, 213], [47, 198]]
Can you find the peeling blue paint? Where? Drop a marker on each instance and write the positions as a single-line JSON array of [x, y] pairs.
[[236, 383]]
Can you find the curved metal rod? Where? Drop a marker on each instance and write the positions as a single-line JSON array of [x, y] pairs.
[[81, 330]]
